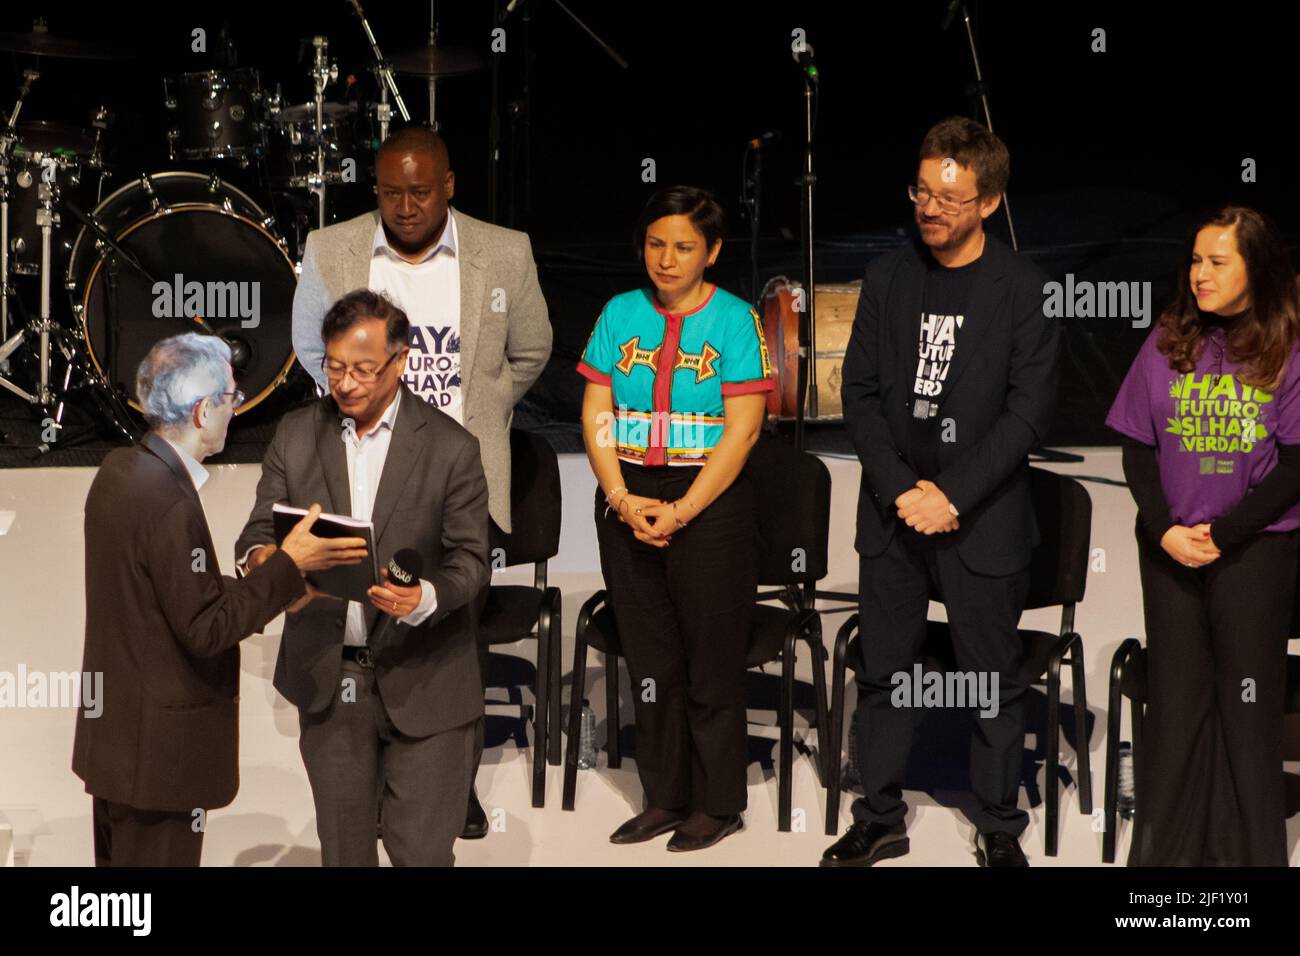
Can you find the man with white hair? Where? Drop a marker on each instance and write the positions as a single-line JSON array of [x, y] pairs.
[[163, 625]]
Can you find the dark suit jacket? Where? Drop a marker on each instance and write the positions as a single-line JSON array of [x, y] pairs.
[[163, 626], [432, 497], [1000, 392]]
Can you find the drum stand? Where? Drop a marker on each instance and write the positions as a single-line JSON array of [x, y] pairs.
[[322, 73], [8, 137]]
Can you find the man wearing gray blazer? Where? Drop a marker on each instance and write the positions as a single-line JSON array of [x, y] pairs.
[[387, 692], [480, 332]]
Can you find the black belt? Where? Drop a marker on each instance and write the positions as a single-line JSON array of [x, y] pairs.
[[361, 654]]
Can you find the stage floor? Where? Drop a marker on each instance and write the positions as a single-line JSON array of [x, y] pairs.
[[42, 615]]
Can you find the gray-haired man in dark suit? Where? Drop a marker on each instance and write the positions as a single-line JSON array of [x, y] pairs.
[[163, 625]]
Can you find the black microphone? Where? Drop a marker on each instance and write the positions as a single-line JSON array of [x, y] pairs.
[[761, 140], [404, 570], [805, 60], [950, 16]]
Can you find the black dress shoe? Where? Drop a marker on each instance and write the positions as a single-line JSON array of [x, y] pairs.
[[702, 830], [999, 849], [476, 826], [868, 843], [647, 826]]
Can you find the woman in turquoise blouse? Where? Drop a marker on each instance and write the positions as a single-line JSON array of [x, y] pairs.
[[674, 402]]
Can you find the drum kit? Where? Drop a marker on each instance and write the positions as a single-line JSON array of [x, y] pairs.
[[114, 251]]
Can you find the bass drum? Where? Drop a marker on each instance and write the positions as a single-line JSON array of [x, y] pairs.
[[836, 306], [208, 250]]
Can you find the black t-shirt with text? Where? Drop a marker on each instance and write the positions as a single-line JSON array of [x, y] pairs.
[[944, 304]]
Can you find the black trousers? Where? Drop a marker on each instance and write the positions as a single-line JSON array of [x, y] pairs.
[[1209, 784], [684, 615], [129, 836], [894, 591]]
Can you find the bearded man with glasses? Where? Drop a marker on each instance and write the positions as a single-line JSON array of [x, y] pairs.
[[948, 383]]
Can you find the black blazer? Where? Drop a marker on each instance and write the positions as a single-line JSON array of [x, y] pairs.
[[432, 497], [163, 626], [1000, 392]]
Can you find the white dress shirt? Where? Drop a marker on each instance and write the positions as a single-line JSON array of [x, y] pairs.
[[198, 474], [366, 456], [428, 292]]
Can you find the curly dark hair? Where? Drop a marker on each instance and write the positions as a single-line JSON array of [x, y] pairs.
[[1259, 340]]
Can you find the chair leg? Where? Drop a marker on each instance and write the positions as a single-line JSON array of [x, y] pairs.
[[612, 724], [1051, 785], [819, 688], [785, 782], [577, 689], [553, 677], [541, 712], [836, 735], [1110, 789], [1078, 686]]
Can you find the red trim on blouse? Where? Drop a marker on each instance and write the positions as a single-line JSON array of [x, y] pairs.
[[595, 375], [745, 388], [663, 388], [681, 315]]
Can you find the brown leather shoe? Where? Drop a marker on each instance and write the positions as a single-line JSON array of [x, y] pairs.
[[701, 830], [647, 826]]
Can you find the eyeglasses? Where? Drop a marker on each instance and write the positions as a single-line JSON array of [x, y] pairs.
[[920, 196], [238, 396], [335, 371]]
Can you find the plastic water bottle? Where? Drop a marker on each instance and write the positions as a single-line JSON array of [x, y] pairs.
[[1126, 801], [587, 738]]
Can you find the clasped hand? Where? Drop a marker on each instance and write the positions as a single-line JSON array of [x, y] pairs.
[[651, 519], [1192, 547], [925, 509]]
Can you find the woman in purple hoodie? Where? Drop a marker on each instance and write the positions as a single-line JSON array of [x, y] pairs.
[[1210, 414]]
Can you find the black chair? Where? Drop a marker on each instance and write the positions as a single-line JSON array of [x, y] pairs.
[[1058, 575], [514, 612], [792, 490], [1128, 679]]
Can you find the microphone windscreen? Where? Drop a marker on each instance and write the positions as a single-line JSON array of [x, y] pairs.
[[405, 567]]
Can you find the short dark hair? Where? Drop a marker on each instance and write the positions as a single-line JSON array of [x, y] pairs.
[[697, 205], [416, 139], [362, 304], [974, 147]]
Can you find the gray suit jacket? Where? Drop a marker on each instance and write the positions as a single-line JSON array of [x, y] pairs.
[[502, 353], [431, 497]]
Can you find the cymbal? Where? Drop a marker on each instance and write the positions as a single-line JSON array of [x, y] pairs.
[[439, 61], [41, 42]]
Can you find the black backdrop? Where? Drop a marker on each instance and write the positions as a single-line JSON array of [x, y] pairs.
[[1112, 152]]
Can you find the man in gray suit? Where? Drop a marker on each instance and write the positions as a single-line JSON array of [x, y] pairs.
[[480, 333], [389, 710]]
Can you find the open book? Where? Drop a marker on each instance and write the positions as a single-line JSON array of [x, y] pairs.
[[347, 581]]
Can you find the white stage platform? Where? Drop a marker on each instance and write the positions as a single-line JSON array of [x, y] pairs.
[[271, 822]]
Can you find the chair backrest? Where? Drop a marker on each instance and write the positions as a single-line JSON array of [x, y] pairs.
[[1058, 570], [793, 495], [535, 503]]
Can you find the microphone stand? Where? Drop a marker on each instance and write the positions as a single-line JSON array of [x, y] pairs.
[[387, 83], [808, 315], [984, 101], [751, 186], [520, 114]]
